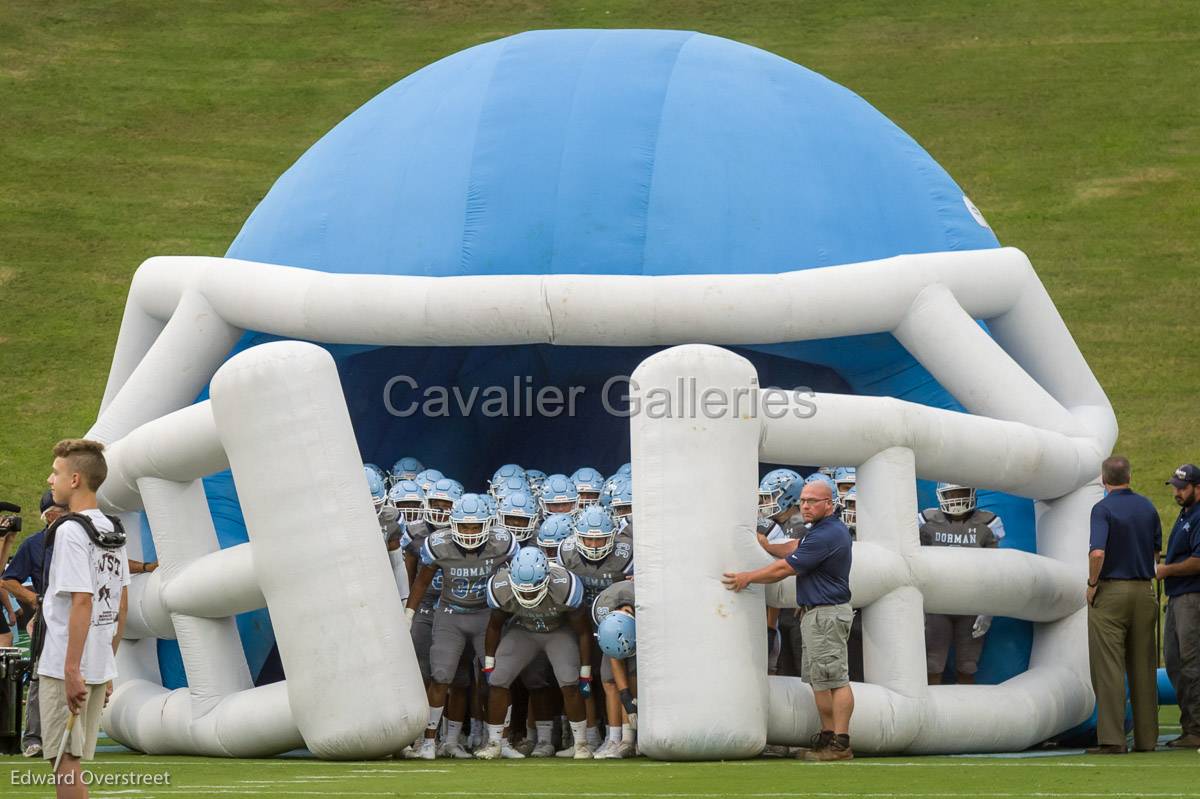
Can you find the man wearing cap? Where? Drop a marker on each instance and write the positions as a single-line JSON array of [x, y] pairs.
[[29, 564], [1125, 541], [1181, 579]]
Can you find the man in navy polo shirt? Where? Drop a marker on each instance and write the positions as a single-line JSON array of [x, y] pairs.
[[1125, 542], [1181, 578], [821, 562]]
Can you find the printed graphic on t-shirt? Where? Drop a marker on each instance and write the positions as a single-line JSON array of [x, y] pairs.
[[106, 602]]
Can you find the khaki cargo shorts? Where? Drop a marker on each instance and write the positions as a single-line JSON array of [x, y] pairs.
[[52, 700], [825, 629]]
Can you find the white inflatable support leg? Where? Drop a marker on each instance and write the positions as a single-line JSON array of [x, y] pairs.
[[147, 616], [696, 473], [353, 685]]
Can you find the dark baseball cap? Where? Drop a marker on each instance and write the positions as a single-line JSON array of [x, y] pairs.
[[1185, 475], [48, 501]]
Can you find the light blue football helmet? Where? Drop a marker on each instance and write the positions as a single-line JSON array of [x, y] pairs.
[[376, 487], [559, 495], [588, 483], [510, 485], [408, 498], [427, 478], [617, 634], [844, 479], [850, 508], [439, 499], [620, 499], [553, 530], [529, 572], [517, 513], [504, 473], [610, 485], [470, 511], [626, 469], [595, 532], [535, 478], [771, 488], [407, 468]]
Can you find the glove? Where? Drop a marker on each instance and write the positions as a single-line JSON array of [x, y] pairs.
[[489, 665], [409, 613], [585, 681], [982, 625]]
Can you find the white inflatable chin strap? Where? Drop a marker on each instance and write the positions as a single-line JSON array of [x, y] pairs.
[[1037, 425]]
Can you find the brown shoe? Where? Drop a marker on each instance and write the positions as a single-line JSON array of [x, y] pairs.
[[1188, 741], [819, 741], [1106, 749], [836, 750]]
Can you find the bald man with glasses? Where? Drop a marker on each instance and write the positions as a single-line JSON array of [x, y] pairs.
[[821, 562]]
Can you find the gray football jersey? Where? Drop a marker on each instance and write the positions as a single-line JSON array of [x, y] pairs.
[[598, 574], [564, 596], [610, 599], [981, 529], [465, 572]]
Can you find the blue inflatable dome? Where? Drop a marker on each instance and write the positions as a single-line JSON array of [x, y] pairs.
[[605, 152]]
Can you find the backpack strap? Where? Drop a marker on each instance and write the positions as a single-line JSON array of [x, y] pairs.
[[102, 539]]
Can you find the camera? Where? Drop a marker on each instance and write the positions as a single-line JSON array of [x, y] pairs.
[[10, 523]]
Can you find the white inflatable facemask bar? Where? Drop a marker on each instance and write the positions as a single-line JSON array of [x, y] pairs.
[[164, 356]]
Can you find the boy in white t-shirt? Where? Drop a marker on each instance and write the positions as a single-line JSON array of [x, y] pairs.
[[84, 610]]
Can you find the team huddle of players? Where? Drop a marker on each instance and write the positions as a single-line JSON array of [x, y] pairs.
[[516, 597]]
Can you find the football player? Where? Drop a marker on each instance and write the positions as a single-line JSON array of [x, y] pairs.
[[553, 530], [468, 556], [618, 668], [588, 482], [844, 479], [439, 499], [407, 468], [957, 522], [559, 495], [504, 474], [598, 556], [518, 514], [541, 600], [782, 512]]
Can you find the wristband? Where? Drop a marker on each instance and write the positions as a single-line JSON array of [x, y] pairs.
[[585, 672], [489, 663], [1091, 584]]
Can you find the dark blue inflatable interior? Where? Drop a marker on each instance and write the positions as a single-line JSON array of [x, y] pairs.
[[601, 152]]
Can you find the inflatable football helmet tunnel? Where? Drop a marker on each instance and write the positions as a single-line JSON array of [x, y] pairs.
[[549, 212]]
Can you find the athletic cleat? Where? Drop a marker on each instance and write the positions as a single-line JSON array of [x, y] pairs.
[[605, 751], [33, 750], [582, 752], [489, 752], [427, 751], [525, 747], [455, 750], [509, 753], [624, 750], [543, 749]]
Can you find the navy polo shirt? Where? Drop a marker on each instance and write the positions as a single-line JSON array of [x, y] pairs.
[[1126, 526], [822, 564], [1184, 544], [28, 562]]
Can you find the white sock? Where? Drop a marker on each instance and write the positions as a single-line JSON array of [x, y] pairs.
[[453, 731], [577, 731], [593, 736], [614, 734], [435, 718], [494, 733], [530, 731], [626, 734], [545, 732], [476, 729]]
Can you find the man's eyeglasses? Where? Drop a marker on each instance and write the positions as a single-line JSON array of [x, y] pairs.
[[815, 501]]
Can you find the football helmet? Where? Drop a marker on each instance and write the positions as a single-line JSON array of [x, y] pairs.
[[595, 532], [588, 483], [620, 500], [559, 495], [535, 478], [517, 513], [828, 471], [510, 485], [408, 498], [470, 520], [850, 509], [503, 473], [530, 576], [439, 499], [553, 530], [373, 467], [617, 634], [954, 499], [844, 479], [771, 488], [375, 485], [626, 469], [407, 468], [427, 478]]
